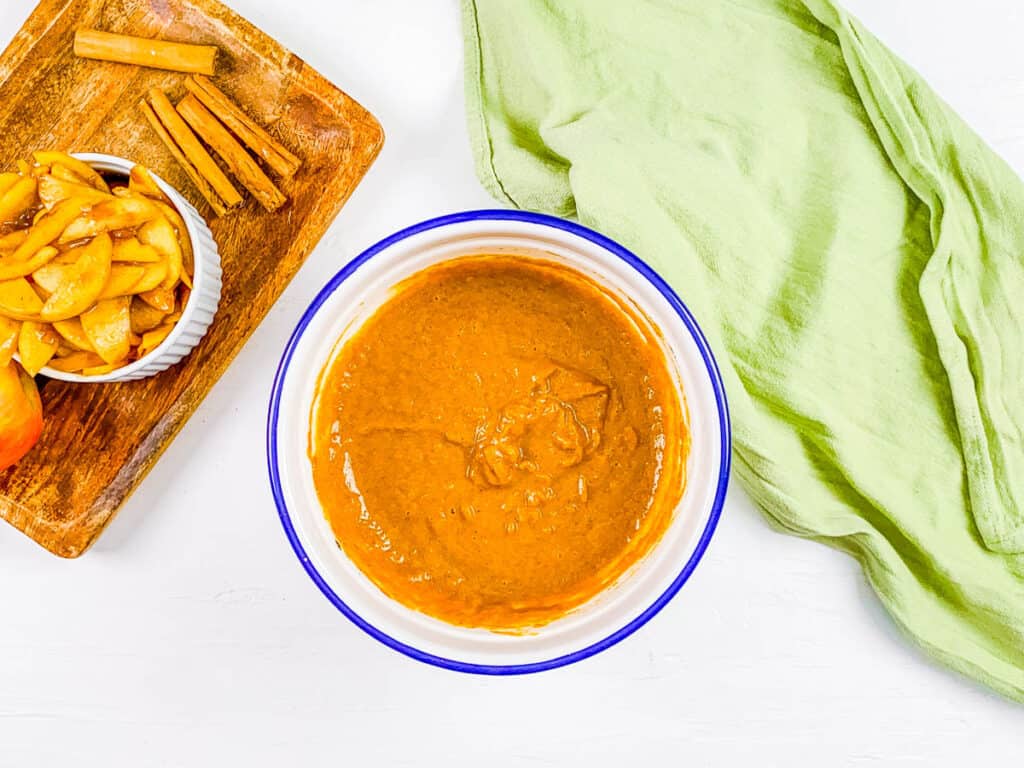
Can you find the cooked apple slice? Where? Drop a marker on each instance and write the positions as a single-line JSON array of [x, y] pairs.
[[11, 268], [114, 213], [184, 294], [153, 339], [69, 256], [187, 257], [76, 361], [108, 326], [152, 279], [7, 180], [76, 166], [84, 283], [18, 199], [144, 317], [101, 370], [130, 249], [50, 276], [43, 294], [10, 241], [18, 301], [64, 173], [160, 233], [37, 344], [49, 227], [53, 190], [72, 332], [122, 281], [141, 181], [9, 332], [159, 298]]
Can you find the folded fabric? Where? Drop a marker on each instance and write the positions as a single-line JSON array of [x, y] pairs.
[[854, 252]]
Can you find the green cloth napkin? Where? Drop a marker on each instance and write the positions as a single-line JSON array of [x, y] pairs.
[[854, 252]]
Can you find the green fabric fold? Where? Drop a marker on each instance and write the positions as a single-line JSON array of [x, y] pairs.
[[854, 252]]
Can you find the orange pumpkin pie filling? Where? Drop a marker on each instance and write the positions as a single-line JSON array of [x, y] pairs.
[[500, 441]]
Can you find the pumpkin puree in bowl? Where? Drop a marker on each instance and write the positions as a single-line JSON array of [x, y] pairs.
[[499, 442]]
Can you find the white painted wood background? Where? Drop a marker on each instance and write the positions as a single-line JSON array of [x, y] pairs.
[[190, 636]]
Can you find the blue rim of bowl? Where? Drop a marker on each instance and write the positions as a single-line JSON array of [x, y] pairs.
[[684, 315]]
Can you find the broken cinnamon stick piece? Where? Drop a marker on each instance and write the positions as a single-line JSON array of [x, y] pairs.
[[254, 136], [193, 149], [202, 184], [160, 54], [240, 162]]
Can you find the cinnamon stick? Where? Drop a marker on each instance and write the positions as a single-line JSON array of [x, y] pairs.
[[144, 52], [273, 153], [193, 149], [202, 184], [240, 162]]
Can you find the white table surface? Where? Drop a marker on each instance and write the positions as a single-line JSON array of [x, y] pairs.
[[189, 634]]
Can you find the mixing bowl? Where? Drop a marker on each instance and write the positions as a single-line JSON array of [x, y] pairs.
[[351, 297]]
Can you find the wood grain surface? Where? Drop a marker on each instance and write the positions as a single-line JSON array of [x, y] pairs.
[[100, 440]]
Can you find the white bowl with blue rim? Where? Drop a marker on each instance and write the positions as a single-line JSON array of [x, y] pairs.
[[350, 298]]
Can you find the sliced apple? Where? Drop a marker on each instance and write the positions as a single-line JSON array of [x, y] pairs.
[[122, 281], [73, 333], [160, 233], [12, 240], [62, 172], [53, 190], [159, 298], [76, 166], [21, 414], [76, 361], [69, 256], [50, 276], [187, 257], [130, 249], [153, 339], [108, 326], [144, 317], [114, 213], [37, 344], [142, 181], [7, 180], [18, 301], [152, 279], [101, 370], [84, 283], [18, 199], [11, 268], [49, 227]]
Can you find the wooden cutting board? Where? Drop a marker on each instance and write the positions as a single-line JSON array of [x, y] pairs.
[[100, 440]]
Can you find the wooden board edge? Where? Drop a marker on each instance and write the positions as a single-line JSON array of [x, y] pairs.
[[44, 16], [365, 143]]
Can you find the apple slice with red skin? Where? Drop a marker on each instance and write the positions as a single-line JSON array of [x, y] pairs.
[[21, 414]]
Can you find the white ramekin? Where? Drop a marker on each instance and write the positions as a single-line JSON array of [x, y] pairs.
[[202, 303], [350, 298]]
